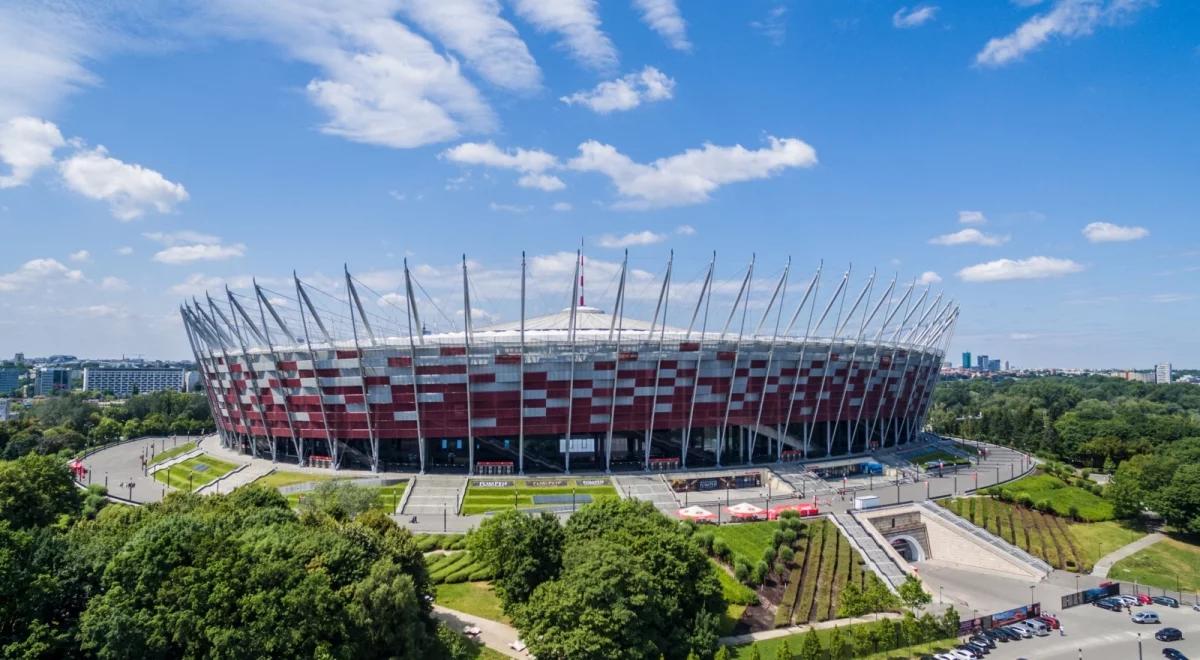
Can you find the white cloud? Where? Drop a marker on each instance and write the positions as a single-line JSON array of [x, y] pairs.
[[626, 92], [39, 273], [182, 254], [129, 189], [774, 26], [919, 15], [181, 236], [664, 18], [645, 237], [1022, 336], [1107, 232], [197, 284], [82, 256], [971, 217], [112, 283], [968, 237], [532, 163], [685, 230], [562, 206], [578, 25], [689, 177], [1019, 269], [474, 29], [1068, 19], [1170, 298], [929, 277], [27, 145], [125, 250], [42, 49], [509, 208]]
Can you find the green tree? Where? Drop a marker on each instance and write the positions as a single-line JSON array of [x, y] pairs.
[[722, 653], [810, 646], [783, 651], [1179, 500], [35, 491], [949, 622], [852, 602], [341, 500], [838, 650], [522, 551], [913, 594], [911, 629]]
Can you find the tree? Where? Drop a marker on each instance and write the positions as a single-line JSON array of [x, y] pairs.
[[911, 629], [949, 622], [35, 490], [913, 594], [851, 601], [783, 652], [810, 647], [341, 500], [754, 654], [1179, 501], [722, 653], [838, 650], [522, 551]]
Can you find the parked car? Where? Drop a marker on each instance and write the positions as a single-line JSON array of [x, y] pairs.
[[977, 648], [966, 652], [1169, 635], [1110, 604], [1165, 600], [984, 639], [1145, 617], [1127, 600], [1144, 599], [1003, 635], [1051, 621], [1024, 632], [1173, 654], [1040, 629]]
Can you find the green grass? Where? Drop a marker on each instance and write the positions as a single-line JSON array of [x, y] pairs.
[[454, 568], [747, 541], [735, 592], [281, 478], [767, 648], [177, 475], [1160, 565], [1061, 543], [1061, 496], [389, 496], [936, 455], [729, 619], [483, 499], [475, 598], [172, 453], [428, 542]]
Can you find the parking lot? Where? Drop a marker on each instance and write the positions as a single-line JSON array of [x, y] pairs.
[[1094, 633]]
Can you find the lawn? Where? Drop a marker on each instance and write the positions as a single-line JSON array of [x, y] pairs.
[[734, 591], [767, 648], [172, 453], [471, 597], [520, 494], [747, 541], [194, 472], [946, 457], [390, 496], [1061, 543], [1061, 497], [1161, 565], [281, 478], [427, 542], [455, 567]]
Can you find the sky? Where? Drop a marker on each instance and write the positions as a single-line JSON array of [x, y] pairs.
[[1034, 161]]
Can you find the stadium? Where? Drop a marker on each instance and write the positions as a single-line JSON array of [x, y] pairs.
[[581, 389]]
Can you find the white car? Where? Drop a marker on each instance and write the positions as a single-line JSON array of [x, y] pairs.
[[1128, 600], [1020, 630], [1040, 629], [1145, 617]]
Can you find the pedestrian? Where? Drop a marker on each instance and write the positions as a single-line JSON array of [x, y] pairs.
[[1062, 632]]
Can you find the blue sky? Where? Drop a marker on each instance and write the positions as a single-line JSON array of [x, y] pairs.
[[1037, 161]]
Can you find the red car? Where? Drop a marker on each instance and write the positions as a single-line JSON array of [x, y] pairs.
[[1143, 599], [1050, 620]]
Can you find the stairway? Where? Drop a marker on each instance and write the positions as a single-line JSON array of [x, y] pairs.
[[432, 494], [877, 559], [651, 488]]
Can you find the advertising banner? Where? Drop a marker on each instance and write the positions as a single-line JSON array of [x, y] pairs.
[[1091, 595]]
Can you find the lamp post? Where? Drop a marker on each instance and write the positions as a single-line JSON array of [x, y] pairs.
[[940, 601], [1139, 646], [1032, 590]]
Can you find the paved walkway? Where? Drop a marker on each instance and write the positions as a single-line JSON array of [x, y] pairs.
[[773, 633], [495, 635], [1106, 562]]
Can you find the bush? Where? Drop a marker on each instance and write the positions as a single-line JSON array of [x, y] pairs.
[[777, 538], [769, 554], [786, 554], [1044, 506], [1073, 512], [704, 540], [741, 571], [759, 574], [788, 515], [720, 548], [457, 576], [1025, 500], [789, 536]]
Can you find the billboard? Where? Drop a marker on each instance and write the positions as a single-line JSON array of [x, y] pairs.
[[1091, 595]]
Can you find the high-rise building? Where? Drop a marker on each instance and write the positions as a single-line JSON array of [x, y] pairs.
[[994, 365], [4, 410], [1162, 373], [981, 362], [51, 380], [127, 382], [19, 358], [966, 360], [10, 379]]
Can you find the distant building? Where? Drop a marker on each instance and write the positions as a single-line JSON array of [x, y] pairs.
[[50, 380], [966, 360], [19, 358], [1162, 373], [4, 410], [10, 379], [981, 362], [127, 382], [993, 365]]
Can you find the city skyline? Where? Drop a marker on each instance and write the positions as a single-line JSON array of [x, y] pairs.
[[148, 155]]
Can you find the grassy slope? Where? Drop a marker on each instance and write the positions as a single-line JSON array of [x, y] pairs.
[[1160, 564], [767, 647], [281, 478], [747, 541], [1062, 497], [482, 500], [173, 452], [473, 598]]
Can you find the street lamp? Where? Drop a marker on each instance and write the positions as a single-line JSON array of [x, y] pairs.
[[1032, 590], [940, 601]]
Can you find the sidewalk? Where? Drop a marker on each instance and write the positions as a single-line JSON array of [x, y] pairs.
[[1106, 562], [737, 640], [495, 635]]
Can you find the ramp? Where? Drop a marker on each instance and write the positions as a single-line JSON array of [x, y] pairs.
[[649, 487], [876, 558], [994, 542]]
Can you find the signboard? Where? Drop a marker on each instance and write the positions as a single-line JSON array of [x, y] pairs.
[[592, 482], [578, 445], [546, 483], [492, 484], [1016, 614], [1091, 595], [747, 480]]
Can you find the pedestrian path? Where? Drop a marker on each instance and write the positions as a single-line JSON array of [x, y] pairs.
[[229, 482], [1105, 563], [493, 634], [651, 488], [775, 633], [433, 494]]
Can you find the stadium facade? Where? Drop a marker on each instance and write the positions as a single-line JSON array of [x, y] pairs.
[[578, 390]]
